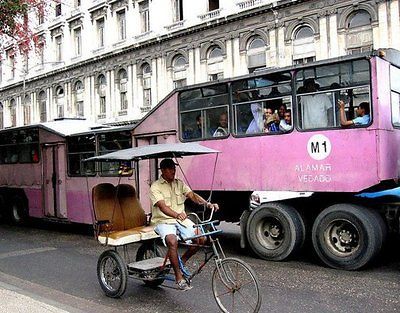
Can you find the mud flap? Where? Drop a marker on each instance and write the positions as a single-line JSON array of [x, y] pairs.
[[243, 223]]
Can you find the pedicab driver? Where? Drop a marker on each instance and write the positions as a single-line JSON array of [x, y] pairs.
[[168, 195]]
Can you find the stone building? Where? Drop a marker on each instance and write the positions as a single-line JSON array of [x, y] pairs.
[[111, 61]]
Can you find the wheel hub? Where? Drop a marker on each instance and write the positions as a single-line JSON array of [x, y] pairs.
[[274, 231], [345, 236]]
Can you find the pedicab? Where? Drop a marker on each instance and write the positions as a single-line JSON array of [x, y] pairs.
[[120, 221]]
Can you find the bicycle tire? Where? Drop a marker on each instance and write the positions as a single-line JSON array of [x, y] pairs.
[[233, 278], [148, 251], [112, 274]]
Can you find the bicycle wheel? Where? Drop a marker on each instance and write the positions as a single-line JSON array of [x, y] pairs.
[[112, 274], [148, 251], [235, 287]]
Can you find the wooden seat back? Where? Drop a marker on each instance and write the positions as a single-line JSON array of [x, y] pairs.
[[132, 211], [107, 207]]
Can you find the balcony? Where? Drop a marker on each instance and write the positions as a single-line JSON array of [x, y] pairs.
[[145, 109], [247, 4], [174, 26], [210, 15]]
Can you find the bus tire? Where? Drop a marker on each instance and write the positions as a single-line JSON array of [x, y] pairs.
[[347, 236], [18, 210], [275, 231]]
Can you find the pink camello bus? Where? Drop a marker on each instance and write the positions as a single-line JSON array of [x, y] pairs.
[[286, 182], [41, 173], [302, 175]]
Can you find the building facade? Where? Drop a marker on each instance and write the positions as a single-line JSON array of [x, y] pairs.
[[112, 61]]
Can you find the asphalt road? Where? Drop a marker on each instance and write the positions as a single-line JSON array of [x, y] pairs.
[[57, 265]]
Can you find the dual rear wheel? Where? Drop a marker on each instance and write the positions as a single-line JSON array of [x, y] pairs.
[[344, 236]]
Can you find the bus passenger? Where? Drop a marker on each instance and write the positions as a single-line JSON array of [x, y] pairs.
[[362, 111], [285, 124], [314, 106], [222, 129], [281, 111], [271, 123], [256, 124], [168, 195]]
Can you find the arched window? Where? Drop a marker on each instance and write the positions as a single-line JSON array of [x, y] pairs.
[[215, 53], [101, 90], [27, 110], [303, 45], [146, 83], [256, 57], [215, 63], [359, 37], [78, 98], [60, 101], [13, 112], [42, 106], [179, 71], [123, 87]]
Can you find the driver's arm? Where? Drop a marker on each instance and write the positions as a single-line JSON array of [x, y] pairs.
[[168, 211], [200, 200]]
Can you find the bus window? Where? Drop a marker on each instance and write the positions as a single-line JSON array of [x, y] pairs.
[[110, 142], [395, 94], [80, 148], [319, 89], [260, 104], [19, 146], [204, 113]]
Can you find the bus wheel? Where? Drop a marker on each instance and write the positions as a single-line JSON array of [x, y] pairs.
[[347, 236], [17, 211], [275, 231]]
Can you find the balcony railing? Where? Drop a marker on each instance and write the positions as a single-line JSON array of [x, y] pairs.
[[249, 4], [144, 109], [176, 25], [210, 15]]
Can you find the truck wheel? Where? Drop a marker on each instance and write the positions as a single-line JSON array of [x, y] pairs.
[[347, 236], [17, 211], [275, 231]]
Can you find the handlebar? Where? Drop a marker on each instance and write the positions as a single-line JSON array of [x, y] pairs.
[[203, 221]]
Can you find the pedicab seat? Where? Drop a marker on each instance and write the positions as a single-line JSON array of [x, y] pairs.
[[119, 216]]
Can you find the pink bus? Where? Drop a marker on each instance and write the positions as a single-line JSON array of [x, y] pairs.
[[41, 173], [284, 148]]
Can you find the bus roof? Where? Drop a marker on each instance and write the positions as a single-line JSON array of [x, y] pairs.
[[72, 126]]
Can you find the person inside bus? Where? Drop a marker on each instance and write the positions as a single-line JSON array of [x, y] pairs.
[[222, 128], [314, 106], [285, 124], [362, 111], [190, 133], [271, 124], [167, 195], [281, 111]]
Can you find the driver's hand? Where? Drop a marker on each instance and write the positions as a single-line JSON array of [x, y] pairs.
[[181, 216], [214, 206]]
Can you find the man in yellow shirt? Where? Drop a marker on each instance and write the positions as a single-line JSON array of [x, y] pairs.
[[168, 196]]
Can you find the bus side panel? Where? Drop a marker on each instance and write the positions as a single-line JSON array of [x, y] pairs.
[[284, 162], [34, 196], [163, 118]]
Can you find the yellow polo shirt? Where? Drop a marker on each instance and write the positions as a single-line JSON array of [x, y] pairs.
[[173, 194]]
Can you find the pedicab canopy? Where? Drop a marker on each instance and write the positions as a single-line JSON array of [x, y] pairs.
[[167, 150]]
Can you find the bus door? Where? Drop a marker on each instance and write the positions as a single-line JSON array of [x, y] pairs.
[[54, 173]]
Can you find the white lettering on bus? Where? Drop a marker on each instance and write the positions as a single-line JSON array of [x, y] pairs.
[[313, 167], [315, 178]]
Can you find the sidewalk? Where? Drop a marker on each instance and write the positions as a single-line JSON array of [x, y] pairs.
[[14, 302]]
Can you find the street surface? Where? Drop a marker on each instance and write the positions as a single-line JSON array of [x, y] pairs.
[[55, 266]]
